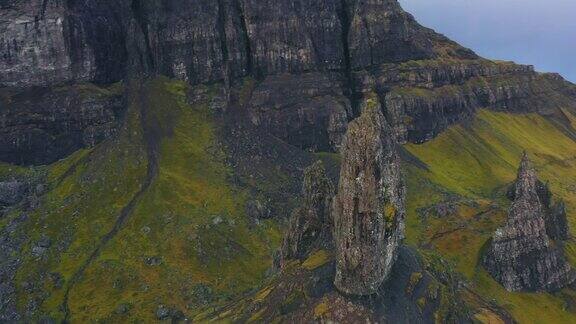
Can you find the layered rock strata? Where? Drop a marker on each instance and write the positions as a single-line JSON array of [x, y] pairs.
[[41, 125], [311, 224], [369, 209], [311, 62], [521, 255]]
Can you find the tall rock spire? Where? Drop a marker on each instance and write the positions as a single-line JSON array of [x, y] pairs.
[[368, 210], [521, 255]]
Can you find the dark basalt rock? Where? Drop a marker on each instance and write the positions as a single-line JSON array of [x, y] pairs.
[[369, 209], [41, 125], [309, 110], [11, 192], [294, 36], [311, 224], [312, 61], [521, 255]]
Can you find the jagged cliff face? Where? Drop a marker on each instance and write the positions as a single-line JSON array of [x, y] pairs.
[[369, 208], [214, 162], [311, 63], [521, 255]]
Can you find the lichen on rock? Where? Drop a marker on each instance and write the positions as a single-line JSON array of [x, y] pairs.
[[369, 208]]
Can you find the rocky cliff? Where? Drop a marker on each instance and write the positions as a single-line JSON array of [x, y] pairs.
[[369, 208], [311, 62], [521, 255], [201, 117]]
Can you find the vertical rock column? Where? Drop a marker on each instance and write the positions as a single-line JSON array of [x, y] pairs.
[[368, 210]]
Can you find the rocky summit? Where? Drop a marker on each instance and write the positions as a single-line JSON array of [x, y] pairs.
[[521, 255], [369, 209], [270, 161]]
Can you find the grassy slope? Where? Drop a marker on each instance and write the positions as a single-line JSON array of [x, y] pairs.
[[190, 223], [471, 166], [192, 220], [196, 223]]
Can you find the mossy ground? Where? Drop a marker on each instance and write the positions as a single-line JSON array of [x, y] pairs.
[[185, 243], [189, 244], [469, 167]]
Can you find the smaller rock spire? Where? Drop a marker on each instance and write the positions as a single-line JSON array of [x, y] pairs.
[[521, 255], [310, 224]]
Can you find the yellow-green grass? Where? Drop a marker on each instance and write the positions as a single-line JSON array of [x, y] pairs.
[[88, 191], [475, 163], [196, 222], [190, 218]]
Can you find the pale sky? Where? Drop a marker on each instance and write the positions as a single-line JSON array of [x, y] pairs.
[[537, 32]]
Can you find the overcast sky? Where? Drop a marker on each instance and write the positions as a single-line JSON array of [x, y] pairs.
[[537, 32]]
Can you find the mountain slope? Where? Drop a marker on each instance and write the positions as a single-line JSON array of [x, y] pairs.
[[150, 197]]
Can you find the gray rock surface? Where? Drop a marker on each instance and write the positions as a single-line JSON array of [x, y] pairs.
[[311, 61], [310, 111], [11, 192], [311, 224], [41, 125], [521, 255], [557, 222], [368, 209]]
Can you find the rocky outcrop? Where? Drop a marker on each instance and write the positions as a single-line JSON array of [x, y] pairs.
[[311, 224], [369, 209], [41, 125], [554, 212], [11, 193], [521, 255]]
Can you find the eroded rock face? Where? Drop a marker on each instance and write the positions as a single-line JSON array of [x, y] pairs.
[[41, 125], [521, 256], [311, 224], [310, 111], [311, 60], [554, 212], [369, 208], [49, 42]]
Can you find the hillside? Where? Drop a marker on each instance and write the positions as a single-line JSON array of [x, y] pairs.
[[152, 154]]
